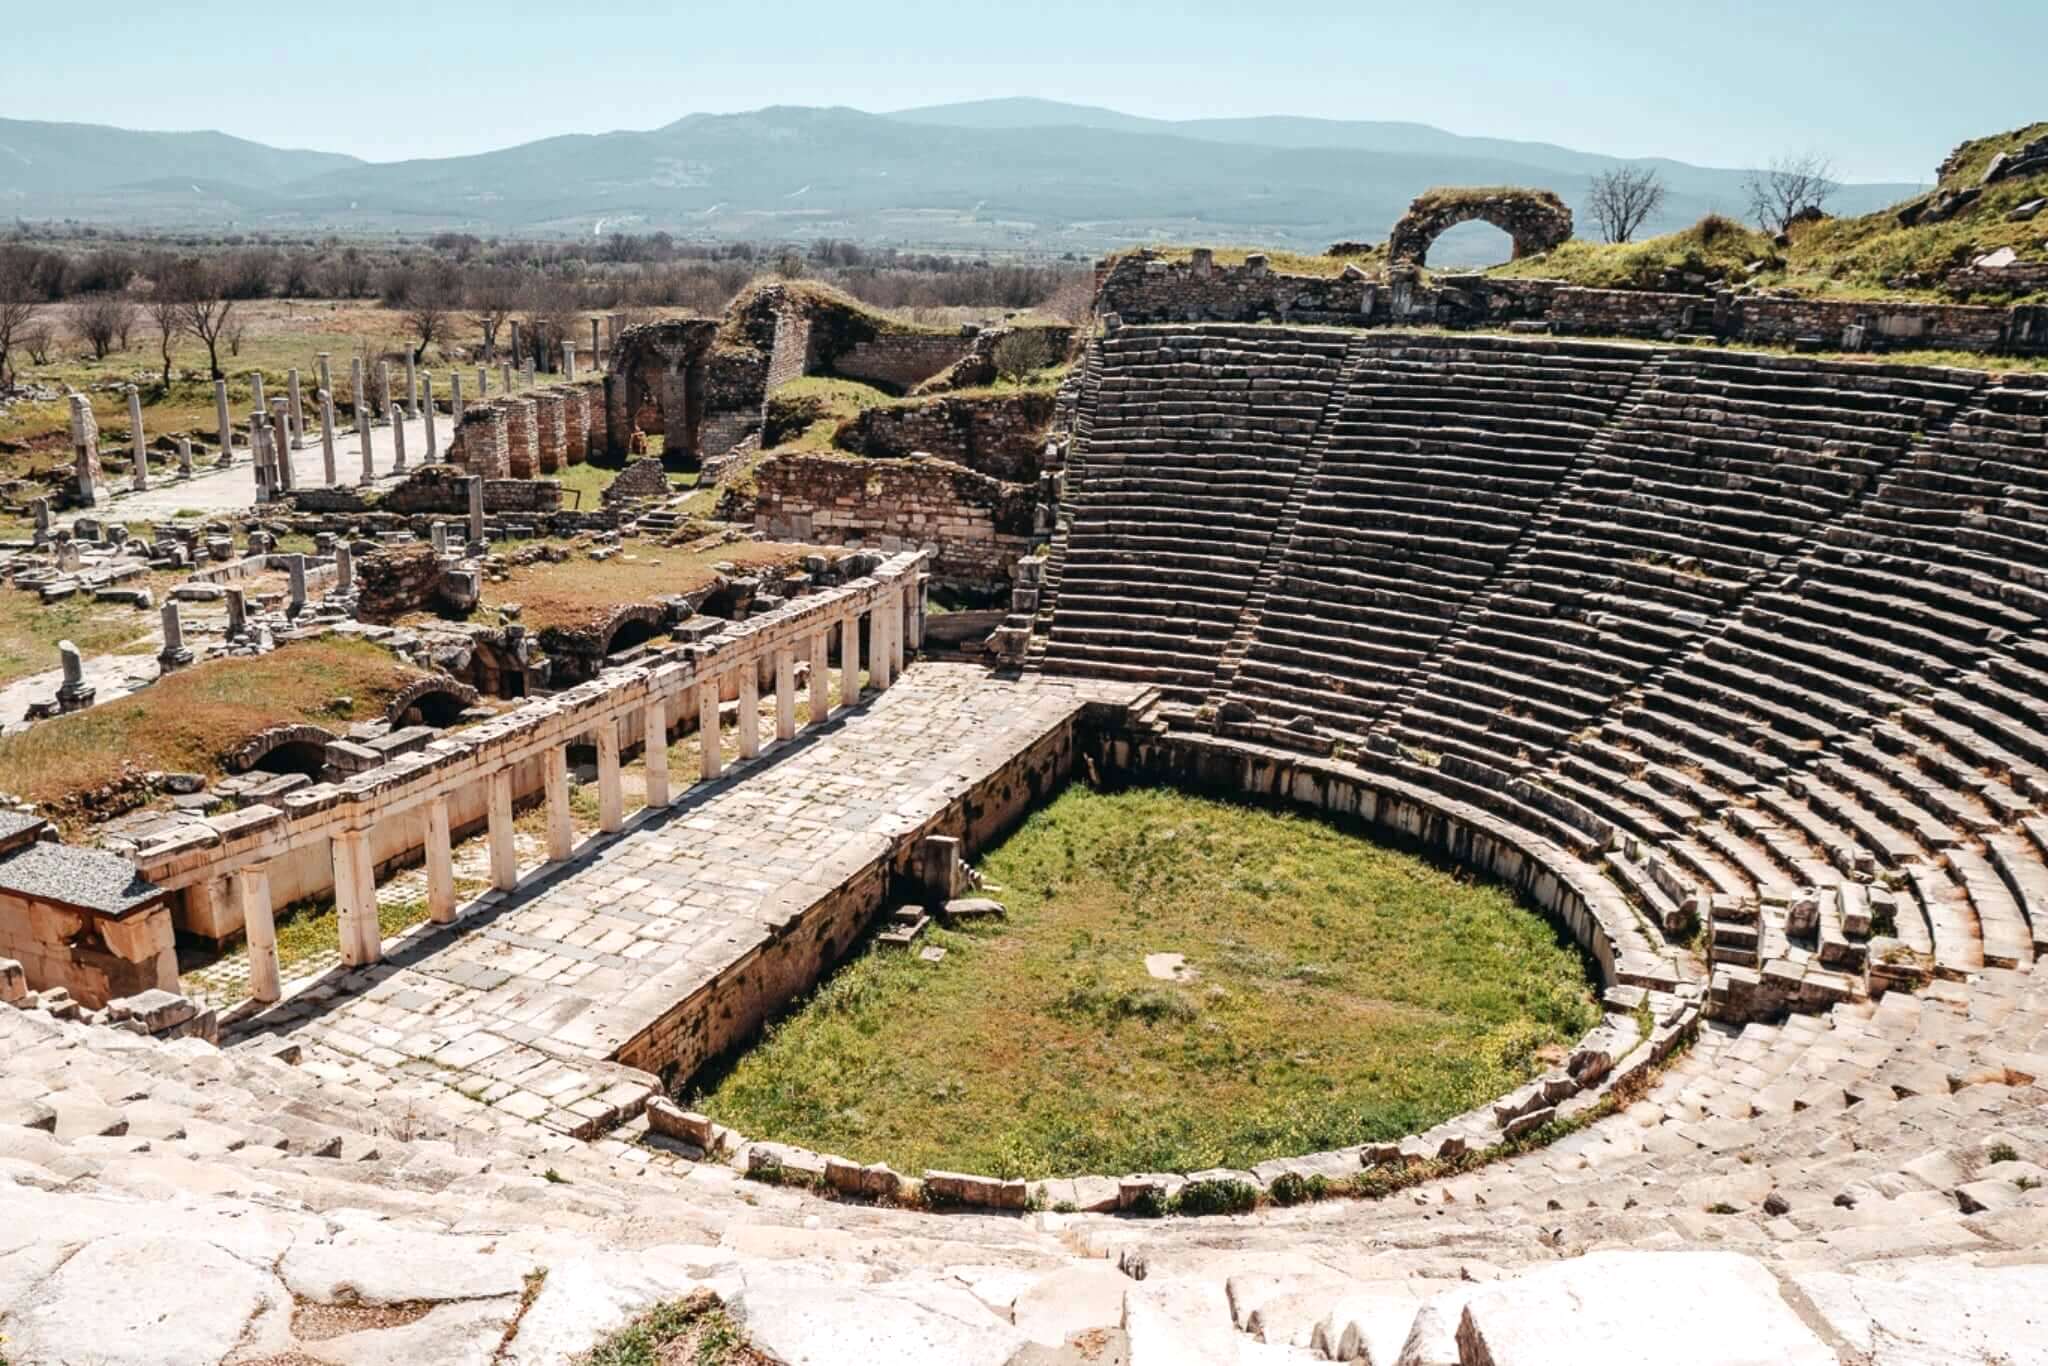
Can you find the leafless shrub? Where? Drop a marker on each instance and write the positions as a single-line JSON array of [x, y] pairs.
[[1623, 198], [1787, 188]]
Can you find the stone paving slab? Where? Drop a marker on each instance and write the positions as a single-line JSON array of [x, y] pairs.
[[522, 1000]]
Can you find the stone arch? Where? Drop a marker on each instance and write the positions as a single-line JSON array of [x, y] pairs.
[[631, 624], [1536, 220], [659, 385], [439, 700], [283, 749]]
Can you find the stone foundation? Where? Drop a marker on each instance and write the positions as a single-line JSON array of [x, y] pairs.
[[980, 525], [1002, 436]]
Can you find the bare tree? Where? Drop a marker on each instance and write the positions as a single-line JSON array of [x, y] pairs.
[[36, 341], [168, 304], [207, 308], [1623, 198], [431, 298], [17, 307], [101, 320], [493, 295], [1787, 188]]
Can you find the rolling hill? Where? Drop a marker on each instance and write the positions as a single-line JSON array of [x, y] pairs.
[[1005, 175]]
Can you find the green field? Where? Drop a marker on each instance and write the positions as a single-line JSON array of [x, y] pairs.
[[1343, 992]]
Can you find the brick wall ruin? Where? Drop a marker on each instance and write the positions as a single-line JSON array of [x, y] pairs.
[[980, 525], [900, 361]]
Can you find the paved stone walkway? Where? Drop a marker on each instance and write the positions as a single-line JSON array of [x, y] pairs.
[[521, 1000]]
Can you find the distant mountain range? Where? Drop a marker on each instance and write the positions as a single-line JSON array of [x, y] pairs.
[[1007, 175]]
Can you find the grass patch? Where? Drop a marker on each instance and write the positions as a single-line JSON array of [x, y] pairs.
[[1284, 262], [31, 628], [580, 590], [1345, 992], [693, 1331], [190, 720], [1714, 248]]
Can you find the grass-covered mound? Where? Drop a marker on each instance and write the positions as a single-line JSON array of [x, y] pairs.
[[1343, 992]]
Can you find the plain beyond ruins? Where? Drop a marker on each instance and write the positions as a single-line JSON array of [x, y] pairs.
[[454, 789]]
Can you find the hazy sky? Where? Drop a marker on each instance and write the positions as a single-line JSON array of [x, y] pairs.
[[1884, 87]]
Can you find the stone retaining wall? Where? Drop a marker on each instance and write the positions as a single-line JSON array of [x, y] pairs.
[[981, 526], [1138, 288], [900, 361], [1000, 435]]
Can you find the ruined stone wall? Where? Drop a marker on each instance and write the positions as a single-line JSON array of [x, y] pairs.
[[640, 479], [1002, 436], [980, 525], [899, 361], [522, 443], [1141, 290], [97, 959], [551, 441], [790, 357]]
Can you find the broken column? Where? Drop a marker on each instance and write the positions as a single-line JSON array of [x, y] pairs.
[[138, 442], [174, 654], [522, 444], [295, 567], [750, 709], [296, 413], [711, 762], [938, 860], [327, 438], [398, 443], [476, 510], [249, 887], [184, 457], [227, 430], [256, 390], [384, 390], [355, 899], [73, 693], [344, 569], [412, 384], [355, 394], [85, 451], [593, 343], [483, 382], [426, 397], [281, 445], [238, 613], [568, 362], [259, 455], [455, 398], [548, 437], [41, 508], [326, 379]]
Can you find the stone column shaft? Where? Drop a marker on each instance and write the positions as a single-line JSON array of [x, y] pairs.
[[713, 762], [555, 782], [880, 672], [849, 660], [296, 413], [227, 427], [327, 438], [611, 798], [440, 864], [750, 709], [785, 681], [427, 398], [250, 887], [654, 746], [899, 627], [140, 442], [821, 677], [504, 853], [355, 896]]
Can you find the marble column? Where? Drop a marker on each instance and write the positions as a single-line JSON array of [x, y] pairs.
[[455, 398], [568, 363], [483, 382], [220, 417], [433, 436], [327, 437], [238, 613], [364, 422], [281, 444], [785, 694], [880, 672], [849, 659], [295, 578], [513, 349], [555, 787], [476, 509], [712, 762], [249, 886], [611, 798], [821, 677], [440, 863], [412, 385], [344, 569], [398, 443], [256, 390], [593, 344], [504, 853], [899, 604], [326, 375], [174, 655], [296, 412], [505, 378], [355, 897], [184, 457], [384, 388], [654, 749], [138, 443], [750, 709], [356, 411], [259, 454]]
